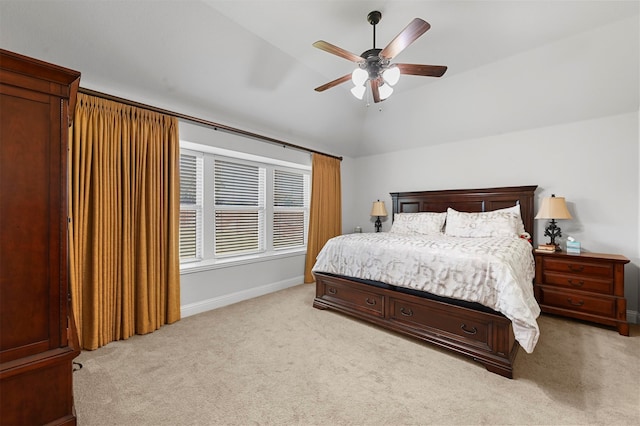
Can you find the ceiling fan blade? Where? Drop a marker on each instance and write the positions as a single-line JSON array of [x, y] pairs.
[[375, 90], [333, 83], [415, 29], [328, 47], [425, 70]]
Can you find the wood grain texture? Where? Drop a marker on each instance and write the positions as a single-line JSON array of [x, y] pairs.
[[585, 286], [338, 51], [37, 343], [422, 70], [333, 83], [408, 35], [485, 336]]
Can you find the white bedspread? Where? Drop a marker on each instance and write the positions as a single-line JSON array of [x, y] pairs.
[[495, 272]]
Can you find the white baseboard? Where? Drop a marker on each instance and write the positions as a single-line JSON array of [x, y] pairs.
[[633, 317], [229, 299]]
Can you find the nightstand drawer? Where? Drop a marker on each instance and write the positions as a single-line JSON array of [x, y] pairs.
[[579, 282], [579, 266], [579, 302]]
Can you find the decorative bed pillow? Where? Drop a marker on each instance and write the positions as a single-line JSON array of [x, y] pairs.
[[515, 209], [426, 223], [485, 224]]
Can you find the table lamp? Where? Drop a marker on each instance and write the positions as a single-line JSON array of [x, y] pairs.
[[378, 210], [553, 208]]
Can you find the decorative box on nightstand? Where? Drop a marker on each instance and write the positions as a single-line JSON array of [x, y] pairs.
[[586, 286]]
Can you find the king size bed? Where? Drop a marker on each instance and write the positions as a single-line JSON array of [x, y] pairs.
[[455, 270]]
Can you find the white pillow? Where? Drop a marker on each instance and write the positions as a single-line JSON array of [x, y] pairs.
[[426, 223], [484, 224], [515, 209]]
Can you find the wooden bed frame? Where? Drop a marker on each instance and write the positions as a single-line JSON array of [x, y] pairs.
[[474, 331]]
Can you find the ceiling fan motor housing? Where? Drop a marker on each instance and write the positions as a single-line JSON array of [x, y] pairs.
[[372, 63]]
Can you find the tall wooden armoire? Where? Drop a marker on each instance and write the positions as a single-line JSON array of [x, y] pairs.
[[38, 339]]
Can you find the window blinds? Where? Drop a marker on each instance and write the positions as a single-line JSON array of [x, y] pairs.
[[239, 194], [290, 218], [191, 165]]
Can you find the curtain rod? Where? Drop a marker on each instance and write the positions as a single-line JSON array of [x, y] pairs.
[[215, 126]]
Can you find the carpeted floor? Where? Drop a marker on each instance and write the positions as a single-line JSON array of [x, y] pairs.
[[275, 360]]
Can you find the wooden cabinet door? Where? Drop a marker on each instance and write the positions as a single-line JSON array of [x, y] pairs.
[[32, 247], [38, 341]]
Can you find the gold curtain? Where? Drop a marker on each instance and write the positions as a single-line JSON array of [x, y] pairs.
[[124, 204], [325, 216]]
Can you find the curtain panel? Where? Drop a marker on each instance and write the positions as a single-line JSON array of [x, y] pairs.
[[124, 206], [325, 216]]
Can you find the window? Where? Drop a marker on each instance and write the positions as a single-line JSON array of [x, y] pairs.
[[290, 209], [239, 192], [235, 206], [190, 206]]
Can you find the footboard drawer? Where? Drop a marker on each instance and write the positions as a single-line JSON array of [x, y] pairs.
[[347, 296], [484, 336], [457, 325]]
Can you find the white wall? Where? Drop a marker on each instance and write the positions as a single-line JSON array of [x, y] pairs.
[[593, 164], [210, 289]]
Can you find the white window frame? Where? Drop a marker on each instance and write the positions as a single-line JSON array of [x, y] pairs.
[[208, 259]]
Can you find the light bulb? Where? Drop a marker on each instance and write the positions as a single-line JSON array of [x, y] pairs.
[[391, 75], [385, 91], [358, 91], [359, 76]]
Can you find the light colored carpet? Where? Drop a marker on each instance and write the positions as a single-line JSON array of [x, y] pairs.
[[275, 360]]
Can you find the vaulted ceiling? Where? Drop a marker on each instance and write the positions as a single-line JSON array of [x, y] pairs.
[[251, 64]]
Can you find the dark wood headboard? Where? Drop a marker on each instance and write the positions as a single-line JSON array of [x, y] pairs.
[[468, 200]]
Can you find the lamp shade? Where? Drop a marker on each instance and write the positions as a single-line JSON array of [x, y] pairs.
[[359, 76], [553, 208], [385, 91], [378, 209], [391, 75], [358, 91]]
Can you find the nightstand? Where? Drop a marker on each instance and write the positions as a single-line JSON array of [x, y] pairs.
[[586, 286]]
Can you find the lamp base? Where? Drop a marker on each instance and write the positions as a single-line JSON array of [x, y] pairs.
[[552, 231], [378, 224]]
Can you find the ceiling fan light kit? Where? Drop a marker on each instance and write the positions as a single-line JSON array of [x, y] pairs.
[[358, 91], [391, 75], [385, 91], [374, 65], [359, 76]]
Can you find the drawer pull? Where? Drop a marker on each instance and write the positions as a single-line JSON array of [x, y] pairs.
[[407, 312], [463, 327], [575, 268], [576, 283], [332, 290], [370, 301], [580, 303]]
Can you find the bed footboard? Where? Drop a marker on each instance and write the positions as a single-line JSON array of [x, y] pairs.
[[485, 337]]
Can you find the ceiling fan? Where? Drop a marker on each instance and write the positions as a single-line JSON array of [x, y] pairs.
[[374, 65]]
